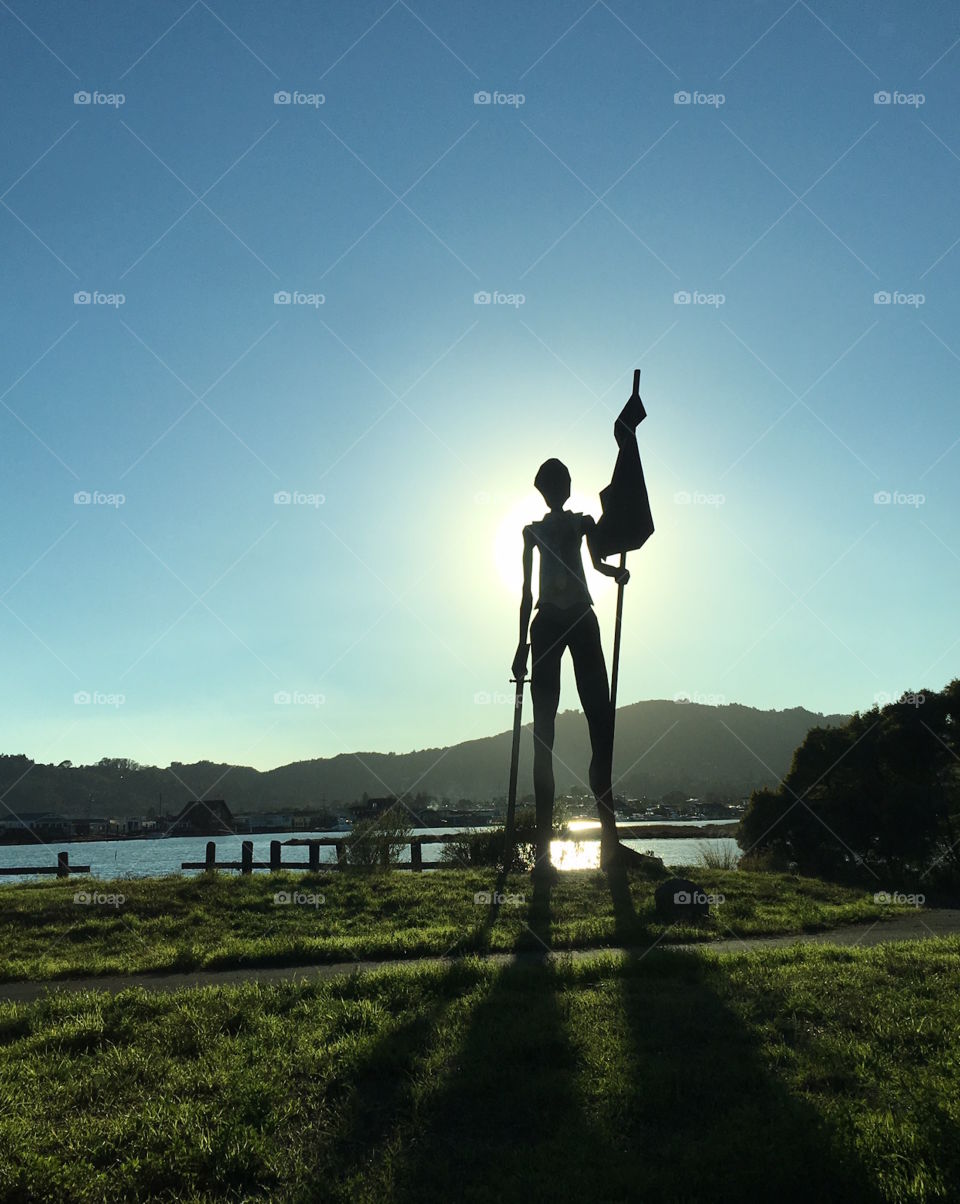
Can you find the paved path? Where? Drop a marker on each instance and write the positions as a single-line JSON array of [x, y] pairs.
[[925, 924]]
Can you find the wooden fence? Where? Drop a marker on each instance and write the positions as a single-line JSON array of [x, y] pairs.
[[63, 868], [246, 864], [313, 845]]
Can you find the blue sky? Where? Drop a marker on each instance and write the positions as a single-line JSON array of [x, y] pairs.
[[405, 419]]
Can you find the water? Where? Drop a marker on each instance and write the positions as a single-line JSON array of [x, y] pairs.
[[149, 858], [585, 854]]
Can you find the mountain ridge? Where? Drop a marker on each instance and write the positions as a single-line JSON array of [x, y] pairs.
[[662, 745]]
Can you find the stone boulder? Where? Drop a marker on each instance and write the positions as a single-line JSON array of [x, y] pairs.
[[681, 899]]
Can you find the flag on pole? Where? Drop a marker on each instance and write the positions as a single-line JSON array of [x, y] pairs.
[[626, 522]]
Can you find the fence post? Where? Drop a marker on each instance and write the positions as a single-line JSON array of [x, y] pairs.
[[341, 854], [314, 850], [416, 855], [63, 865], [211, 858], [274, 856], [246, 857]]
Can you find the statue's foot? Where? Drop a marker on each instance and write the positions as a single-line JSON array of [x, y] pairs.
[[619, 856]]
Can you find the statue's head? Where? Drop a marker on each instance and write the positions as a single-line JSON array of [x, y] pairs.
[[553, 481]]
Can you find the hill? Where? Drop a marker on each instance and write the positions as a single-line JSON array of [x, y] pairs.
[[661, 746]]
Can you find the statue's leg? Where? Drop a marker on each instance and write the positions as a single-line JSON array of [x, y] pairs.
[[546, 650], [594, 690]]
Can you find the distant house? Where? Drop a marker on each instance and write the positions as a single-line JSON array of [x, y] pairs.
[[136, 825], [372, 807], [204, 817], [270, 821], [46, 822], [320, 821], [715, 811], [455, 817]]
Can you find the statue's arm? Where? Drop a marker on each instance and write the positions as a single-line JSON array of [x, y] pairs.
[[609, 570], [526, 605]]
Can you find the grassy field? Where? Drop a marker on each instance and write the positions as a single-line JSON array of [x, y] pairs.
[[785, 1074], [217, 920]]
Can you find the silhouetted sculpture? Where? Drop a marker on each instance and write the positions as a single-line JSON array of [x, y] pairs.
[[565, 619]]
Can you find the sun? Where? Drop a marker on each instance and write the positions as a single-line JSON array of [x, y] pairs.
[[508, 542]]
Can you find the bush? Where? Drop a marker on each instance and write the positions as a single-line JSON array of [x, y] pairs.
[[377, 843], [717, 856], [765, 862], [486, 848]]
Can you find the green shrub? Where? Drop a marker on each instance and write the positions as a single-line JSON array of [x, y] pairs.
[[715, 855], [378, 843], [485, 848]]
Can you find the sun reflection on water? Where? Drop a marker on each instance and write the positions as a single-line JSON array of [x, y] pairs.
[[577, 854]]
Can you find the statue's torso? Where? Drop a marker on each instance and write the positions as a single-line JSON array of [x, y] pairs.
[[559, 536]]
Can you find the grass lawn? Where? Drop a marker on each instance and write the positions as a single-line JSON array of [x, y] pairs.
[[221, 920], [810, 1073]]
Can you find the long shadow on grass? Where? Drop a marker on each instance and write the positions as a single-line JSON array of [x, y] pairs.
[[632, 1080], [361, 1108], [536, 931], [481, 937], [708, 1117], [703, 1097], [370, 1108]]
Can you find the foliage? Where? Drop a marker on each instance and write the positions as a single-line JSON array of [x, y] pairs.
[[378, 843], [716, 855], [876, 799], [486, 847]]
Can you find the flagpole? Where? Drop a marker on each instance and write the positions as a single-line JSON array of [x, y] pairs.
[[615, 669], [627, 476]]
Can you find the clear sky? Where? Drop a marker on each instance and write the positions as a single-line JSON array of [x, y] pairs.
[[407, 420]]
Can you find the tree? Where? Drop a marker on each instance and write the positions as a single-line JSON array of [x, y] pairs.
[[881, 792]]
